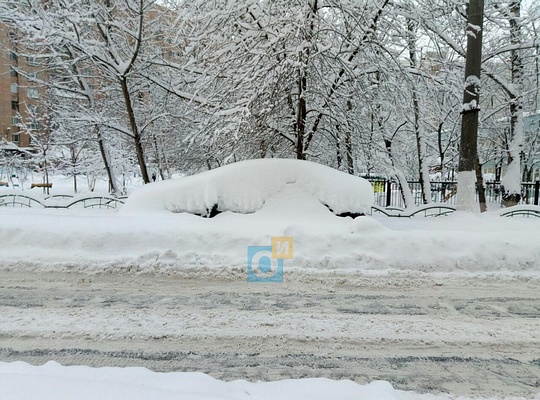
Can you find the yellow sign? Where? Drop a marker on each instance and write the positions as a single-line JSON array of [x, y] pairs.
[[378, 187]]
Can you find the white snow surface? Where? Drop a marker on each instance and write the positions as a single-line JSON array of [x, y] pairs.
[[97, 240], [268, 201], [245, 187], [265, 198], [22, 381], [52, 381]]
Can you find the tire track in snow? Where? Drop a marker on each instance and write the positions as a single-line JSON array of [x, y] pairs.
[[463, 335]]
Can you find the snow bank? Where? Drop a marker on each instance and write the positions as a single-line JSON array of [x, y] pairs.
[[52, 381], [265, 198], [244, 187], [98, 240]]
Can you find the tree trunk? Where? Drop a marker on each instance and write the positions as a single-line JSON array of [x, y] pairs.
[[166, 171], [157, 155], [113, 187], [469, 126], [339, 156], [301, 114], [441, 151], [348, 152], [134, 130], [46, 177], [536, 69], [348, 142], [512, 180], [404, 188], [423, 171], [480, 186], [74, 166]]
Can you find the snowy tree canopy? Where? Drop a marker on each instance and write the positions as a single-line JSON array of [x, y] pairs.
[[367, 87]]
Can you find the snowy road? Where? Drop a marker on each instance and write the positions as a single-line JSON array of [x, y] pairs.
[[462, 335]]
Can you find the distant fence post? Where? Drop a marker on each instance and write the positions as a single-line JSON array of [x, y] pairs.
[[389, 192], [536, 191]]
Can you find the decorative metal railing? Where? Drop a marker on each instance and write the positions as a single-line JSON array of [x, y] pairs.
[[60, 201]]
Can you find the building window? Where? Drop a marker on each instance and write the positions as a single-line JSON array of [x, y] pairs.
[[15, 105], [13, 56], [15, 121], [34, 110], [14, 88], [15, 137], [33, 93], [13, 72], [34, 125]]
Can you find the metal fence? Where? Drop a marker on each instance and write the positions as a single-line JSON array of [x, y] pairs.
[[60, 201], [388, 194]]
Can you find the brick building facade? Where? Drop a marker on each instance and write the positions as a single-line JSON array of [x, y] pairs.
[[19, 95]]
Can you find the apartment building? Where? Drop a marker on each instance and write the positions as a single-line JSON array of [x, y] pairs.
[[19, 95]]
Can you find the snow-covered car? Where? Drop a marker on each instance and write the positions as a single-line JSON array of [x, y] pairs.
[[246, 187]]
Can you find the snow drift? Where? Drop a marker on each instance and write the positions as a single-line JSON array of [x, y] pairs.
[[245, 187]]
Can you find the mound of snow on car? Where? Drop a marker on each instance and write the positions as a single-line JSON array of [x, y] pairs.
[[245, 187]]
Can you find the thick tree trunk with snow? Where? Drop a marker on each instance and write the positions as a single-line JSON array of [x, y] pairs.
[[512, 179], [469, 126]]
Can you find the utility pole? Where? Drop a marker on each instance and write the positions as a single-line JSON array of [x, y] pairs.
[[468, 150]]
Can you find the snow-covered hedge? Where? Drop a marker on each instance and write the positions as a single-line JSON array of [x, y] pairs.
[[244, 187]]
